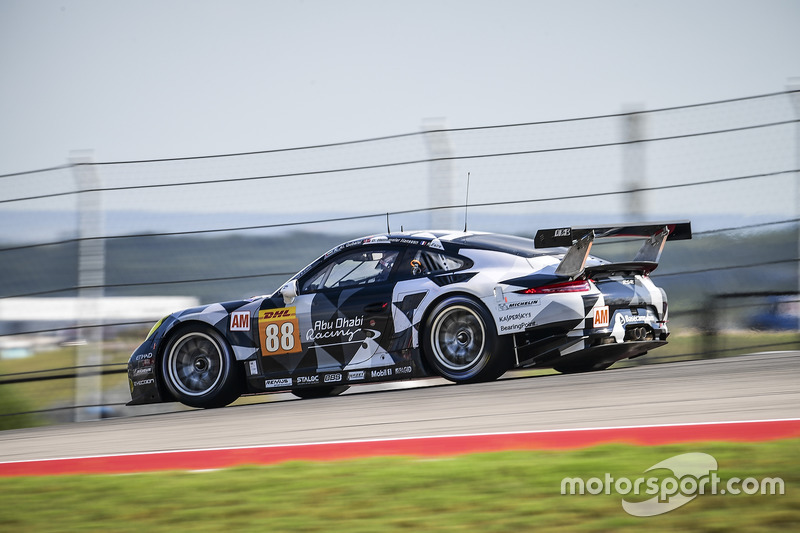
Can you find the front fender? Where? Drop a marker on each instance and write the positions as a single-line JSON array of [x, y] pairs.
[[143, 377]]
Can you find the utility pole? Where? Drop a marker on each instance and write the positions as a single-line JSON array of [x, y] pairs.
[[794, 85], [634, 166], [91, 278], [441, 175]]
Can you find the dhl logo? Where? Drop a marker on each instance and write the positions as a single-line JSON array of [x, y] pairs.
[[277, 314]]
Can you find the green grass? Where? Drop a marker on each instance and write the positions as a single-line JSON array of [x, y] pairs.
[[510, 491]]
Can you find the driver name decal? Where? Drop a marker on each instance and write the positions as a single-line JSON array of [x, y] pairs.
[[279, 331]]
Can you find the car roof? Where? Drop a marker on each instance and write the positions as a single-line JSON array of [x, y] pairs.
[[454, 241], [445, 241]]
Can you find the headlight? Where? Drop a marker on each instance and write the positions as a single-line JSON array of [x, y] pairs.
[[154, 328]]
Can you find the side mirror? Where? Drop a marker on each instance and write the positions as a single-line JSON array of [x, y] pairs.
[[289, 291]]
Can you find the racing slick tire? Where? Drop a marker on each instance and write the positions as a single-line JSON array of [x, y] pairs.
[[460, 341], [320, 392], [199, 369]]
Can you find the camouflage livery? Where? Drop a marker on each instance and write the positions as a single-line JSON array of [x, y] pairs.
[[466, 306]]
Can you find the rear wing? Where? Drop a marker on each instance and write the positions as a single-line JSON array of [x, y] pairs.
[[580, 239]]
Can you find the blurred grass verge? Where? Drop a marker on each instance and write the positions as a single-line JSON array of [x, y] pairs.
[[11, 403], [509, 491]]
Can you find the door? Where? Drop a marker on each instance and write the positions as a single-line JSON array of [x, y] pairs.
[[340, 320]]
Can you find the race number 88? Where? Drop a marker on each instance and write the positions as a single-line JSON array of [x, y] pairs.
[[279, 331], [279, 338]]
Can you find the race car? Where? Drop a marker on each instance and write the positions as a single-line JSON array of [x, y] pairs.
[[466, 306]]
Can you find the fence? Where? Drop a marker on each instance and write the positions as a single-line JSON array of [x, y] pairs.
[[211, 226]]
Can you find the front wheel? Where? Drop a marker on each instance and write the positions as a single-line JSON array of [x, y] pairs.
[[199, 369], [461, 342]]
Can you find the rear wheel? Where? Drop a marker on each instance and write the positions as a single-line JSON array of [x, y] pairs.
[[320, 392], [199, 369], [461, 342]]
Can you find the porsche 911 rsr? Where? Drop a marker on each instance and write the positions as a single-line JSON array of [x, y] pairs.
[[466, 306]]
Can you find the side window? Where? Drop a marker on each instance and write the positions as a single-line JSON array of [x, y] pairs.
[[425, 262], [352, 270], [314, 282]]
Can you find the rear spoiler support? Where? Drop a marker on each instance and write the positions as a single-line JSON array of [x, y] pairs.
[[580, 240]]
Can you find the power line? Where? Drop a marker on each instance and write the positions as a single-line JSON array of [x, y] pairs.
[[403, 135], [731, 267], [402, 212], [77, 327], [393, 164], [149, 284]]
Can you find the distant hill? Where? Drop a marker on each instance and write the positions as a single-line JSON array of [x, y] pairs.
[[147, 266]]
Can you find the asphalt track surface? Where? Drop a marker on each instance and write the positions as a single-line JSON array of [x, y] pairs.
[[753, 387]]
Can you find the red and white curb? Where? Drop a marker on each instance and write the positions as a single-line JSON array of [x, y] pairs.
[[430, 446]]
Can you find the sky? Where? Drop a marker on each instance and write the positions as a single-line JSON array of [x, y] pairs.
[[155, 79]]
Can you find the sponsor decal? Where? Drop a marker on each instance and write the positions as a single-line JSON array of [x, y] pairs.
[[308, 380], [403, 370], [636, 319], [341, 329], [253, 368], [279, 331], [143, 382], [517, 327], [355, 375], [507, 306], [240, 321], [382, 373], [333, 378], [143, 371], [563, 232], [144, 356], [274, 383], [515, 317], [601, 317], [437, 244]]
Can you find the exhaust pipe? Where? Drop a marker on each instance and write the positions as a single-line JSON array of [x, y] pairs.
[[638, 333]]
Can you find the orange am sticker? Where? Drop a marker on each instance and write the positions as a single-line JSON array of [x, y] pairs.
[[601, 317], [279, 331]]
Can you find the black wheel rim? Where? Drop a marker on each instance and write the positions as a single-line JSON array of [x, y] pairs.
[[195, 364], [458, 337]]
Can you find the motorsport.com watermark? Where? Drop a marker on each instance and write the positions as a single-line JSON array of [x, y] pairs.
[[693, 474]]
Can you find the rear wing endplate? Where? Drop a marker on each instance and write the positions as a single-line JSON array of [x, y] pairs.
[[580, 239]]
